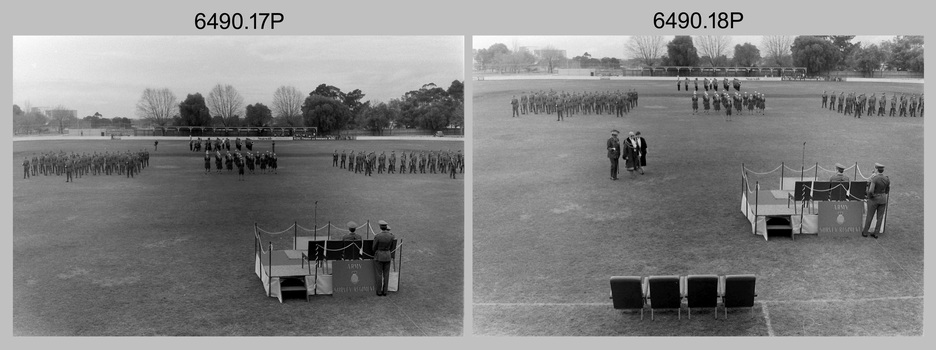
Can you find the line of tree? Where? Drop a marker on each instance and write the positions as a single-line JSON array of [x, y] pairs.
[[327, 108], [820, 54], [587, 61], [499, 59]]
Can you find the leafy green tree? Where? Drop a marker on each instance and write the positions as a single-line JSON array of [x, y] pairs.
[[746, 55], [193, 111], [377, 117], [430, 107], [486, 56], [329, 91], [258, 115], [456, 90], [325, 113], [817, 54], [907, 53], [846, 48], [681, 52]]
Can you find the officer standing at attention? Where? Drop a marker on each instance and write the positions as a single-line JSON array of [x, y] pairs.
[[25, 168], [382, 162], [523, 103], [344, 157], [383, 244], [839, 175], [515, 104], [878, 189], [614, 153], [335, 158]]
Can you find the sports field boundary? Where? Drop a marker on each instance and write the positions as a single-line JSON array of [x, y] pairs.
[[759, 302], [186, 138], [673, 79]]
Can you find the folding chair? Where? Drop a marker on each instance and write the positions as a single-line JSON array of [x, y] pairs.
[[701, 291], [664, 292], [628, 293], [738, 291]]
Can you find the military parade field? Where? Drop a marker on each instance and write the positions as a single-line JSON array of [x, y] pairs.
[[550, 228], [171, 251]]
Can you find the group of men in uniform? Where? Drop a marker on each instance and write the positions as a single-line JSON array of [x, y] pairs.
[[265, 161], [709, 84], [855, 105], [876, 204], [566, 104], [754, 103], [445, 162], [73, 165], [218, 144]]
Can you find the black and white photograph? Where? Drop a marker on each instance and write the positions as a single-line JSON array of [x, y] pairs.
[[238, 186], [466, 175], [698, 185]]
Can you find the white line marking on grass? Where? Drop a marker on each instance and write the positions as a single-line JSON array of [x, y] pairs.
[[759, 302], [838, 300], [409, 318], [896, 262], [770, 332], [542, 304]]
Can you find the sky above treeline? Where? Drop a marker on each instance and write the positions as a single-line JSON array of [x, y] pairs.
[[107, 74], [613, 46]]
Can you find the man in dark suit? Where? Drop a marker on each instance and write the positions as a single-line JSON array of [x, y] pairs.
[[878, 189], [642, 148], [614, 153], [383, 244]]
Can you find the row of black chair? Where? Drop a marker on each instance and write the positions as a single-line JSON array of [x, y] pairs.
[[668, 292]]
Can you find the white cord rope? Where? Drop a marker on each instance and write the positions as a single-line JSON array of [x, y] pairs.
[[276, 233], [796, 170], [757, 173]]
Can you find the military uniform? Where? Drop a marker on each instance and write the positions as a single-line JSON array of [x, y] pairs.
[[878, 190], [695, 103], [381, 162], [383, 256], [402, 162], [515, 107], [614, 153], [839, 176], [25, 168]]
